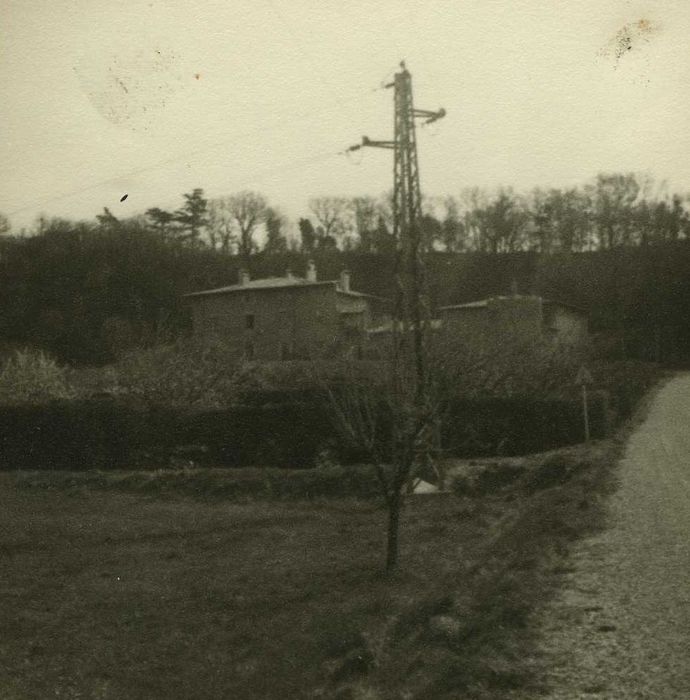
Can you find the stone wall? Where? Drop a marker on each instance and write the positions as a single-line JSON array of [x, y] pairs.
[[271, 324]]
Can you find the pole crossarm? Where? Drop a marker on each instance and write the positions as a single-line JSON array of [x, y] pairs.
[[366, 141], [430, 116]]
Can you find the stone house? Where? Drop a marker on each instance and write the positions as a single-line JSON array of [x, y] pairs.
[[499, 320], [289, 317], [517, 319]]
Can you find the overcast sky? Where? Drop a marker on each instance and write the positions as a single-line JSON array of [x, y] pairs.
[[152, 99]]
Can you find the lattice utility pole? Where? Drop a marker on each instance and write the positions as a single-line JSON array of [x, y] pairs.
[[414, 424], [412, 310]]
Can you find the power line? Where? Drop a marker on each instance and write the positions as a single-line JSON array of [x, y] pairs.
[[262, 175], [167, 161]]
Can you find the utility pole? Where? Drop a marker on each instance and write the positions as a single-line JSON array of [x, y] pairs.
[[412, 310], [413, 411], [412, 313]]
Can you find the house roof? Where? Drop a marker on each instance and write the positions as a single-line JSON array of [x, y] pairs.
[[277, 283], [483, 303], [470, 305], [435, 324], [359, 294], [265, 283]]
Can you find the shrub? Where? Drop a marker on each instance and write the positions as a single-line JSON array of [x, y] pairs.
[[534, 369], [30, 376], [486, 479], [189, 373]]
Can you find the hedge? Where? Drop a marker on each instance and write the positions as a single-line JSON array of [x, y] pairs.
[[518, 425], [288, 434], [84, 434], [280, 430], [110, 434]]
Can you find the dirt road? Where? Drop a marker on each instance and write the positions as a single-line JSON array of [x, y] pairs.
[[621, 626]]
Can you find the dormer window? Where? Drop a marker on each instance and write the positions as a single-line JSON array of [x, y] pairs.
[[249, 321]]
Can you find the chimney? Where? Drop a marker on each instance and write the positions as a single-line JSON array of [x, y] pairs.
[[288, 273], [244, 278], [344, 281], [311, 271]]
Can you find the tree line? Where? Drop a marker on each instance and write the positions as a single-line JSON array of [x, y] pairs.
[[615, 209]]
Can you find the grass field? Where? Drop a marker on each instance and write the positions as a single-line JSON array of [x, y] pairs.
[[111, 594]]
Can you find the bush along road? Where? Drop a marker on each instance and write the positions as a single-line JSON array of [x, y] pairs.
[[620, 628]]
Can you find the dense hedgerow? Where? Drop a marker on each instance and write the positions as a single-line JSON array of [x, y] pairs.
[[193, 403]]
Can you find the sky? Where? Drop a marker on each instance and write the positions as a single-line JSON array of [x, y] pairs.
[[152, 99]]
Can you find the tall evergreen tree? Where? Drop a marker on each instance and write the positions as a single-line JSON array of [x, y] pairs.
[[192, 217], [307, 236], [161, 221]]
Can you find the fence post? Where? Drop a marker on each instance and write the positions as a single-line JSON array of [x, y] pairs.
[[584, 378]]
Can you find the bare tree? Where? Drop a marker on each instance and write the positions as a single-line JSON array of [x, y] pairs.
[[221, 227], [334, 216], [503, 223], [473, 200], [5, 226], [247, 210], [233, 221], [559, 220], [365, 213], [395, 419], [453, 230], [378, 413], [613, 196]]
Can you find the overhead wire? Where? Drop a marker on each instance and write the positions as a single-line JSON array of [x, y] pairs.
[[235, 138], [267, 172], [318, 112], [172, 159]]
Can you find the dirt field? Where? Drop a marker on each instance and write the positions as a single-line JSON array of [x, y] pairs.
[[112, 595]]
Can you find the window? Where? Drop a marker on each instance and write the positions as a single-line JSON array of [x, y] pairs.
[[249, 321], [285, 351], [249, 351]]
